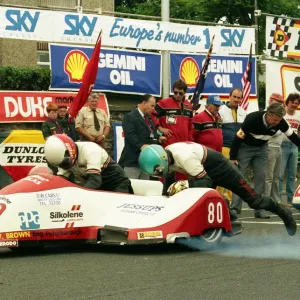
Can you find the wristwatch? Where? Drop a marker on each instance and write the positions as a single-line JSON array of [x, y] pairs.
[[103, 136]]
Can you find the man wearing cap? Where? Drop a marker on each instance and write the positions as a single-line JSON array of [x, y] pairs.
[[208, 125], [273, 168], [67, 123]]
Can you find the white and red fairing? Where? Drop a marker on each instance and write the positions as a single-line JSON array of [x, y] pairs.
[[106, 217]]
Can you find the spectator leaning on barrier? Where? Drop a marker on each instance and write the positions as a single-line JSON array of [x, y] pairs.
[[173, 116], [273, 168], [250, 144], [139, 132], [208, 125], [92, 123], [288, 149], [232, 116], [67, 123]]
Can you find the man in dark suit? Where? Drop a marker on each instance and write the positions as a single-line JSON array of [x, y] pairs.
[[139, 132]]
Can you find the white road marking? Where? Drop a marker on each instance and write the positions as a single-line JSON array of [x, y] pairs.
[[272, 216], [261, 222]]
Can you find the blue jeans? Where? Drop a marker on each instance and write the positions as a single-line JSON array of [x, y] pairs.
[[258, 157], [289, 163]]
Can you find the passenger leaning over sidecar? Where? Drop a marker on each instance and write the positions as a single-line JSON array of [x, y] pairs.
[[87, 162]]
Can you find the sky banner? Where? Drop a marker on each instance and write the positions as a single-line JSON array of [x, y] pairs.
[[69, 27]]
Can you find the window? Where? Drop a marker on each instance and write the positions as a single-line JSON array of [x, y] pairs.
[[59, 3], [43, 59]]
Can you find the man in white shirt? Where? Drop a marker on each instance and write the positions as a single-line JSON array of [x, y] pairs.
[[289, 150]]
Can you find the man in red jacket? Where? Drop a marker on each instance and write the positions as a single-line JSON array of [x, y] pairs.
[[208, 125], [173, 116]]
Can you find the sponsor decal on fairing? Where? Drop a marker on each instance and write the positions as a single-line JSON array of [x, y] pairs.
[[9, 243], [48, 198], [14, 235], [150, 235], [70, 217], [146, 210]]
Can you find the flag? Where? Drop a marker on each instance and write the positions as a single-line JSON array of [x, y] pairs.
[[88, 80], [201, 81], [246, 82]]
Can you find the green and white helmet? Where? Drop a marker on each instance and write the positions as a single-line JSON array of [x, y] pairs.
[[153, 160]]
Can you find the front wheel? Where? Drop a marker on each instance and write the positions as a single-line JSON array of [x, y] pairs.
[[209, 239]]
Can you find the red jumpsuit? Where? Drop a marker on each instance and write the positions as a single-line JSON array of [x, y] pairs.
[[177, 117], [208, 130]]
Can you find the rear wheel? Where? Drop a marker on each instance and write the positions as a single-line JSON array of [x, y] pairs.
[[209, 239]]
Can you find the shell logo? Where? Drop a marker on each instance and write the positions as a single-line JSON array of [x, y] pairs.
[[189, 71], [75, 64], [280, 37]]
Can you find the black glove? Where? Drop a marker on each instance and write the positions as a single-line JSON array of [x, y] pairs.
[[94, 181]]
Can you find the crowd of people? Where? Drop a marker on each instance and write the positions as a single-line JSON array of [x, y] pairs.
[[167, 139]]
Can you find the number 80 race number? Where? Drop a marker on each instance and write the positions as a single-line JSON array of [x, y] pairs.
[[215, 212]]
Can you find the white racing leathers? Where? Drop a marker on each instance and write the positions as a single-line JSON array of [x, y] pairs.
[[95, 169]]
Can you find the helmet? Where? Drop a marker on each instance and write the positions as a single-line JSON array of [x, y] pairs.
[[153, 160], [37, 170], [60, 151]]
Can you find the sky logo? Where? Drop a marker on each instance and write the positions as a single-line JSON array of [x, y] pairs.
[[29, 220], [80, 25], [21, 21]]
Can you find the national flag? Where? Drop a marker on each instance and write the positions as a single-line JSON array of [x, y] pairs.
[[88, 80], [246, 82], [201, 81]]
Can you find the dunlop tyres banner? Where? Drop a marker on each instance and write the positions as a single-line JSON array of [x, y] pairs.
[[31, 106], [282, 78], [282, 37], [21, 151], [119, 71], [67, 27]]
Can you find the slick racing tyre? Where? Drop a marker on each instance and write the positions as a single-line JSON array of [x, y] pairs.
[[209, 239]]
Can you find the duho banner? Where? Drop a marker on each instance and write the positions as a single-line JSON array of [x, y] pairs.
[[30, 106]]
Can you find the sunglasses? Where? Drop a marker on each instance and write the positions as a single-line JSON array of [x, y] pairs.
[[178, 93]]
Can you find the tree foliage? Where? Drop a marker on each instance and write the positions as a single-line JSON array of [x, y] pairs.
[[239, 12], [24, 79]]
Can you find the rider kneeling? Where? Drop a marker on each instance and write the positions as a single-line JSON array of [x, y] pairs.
[[88, 163], [206, 168]]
